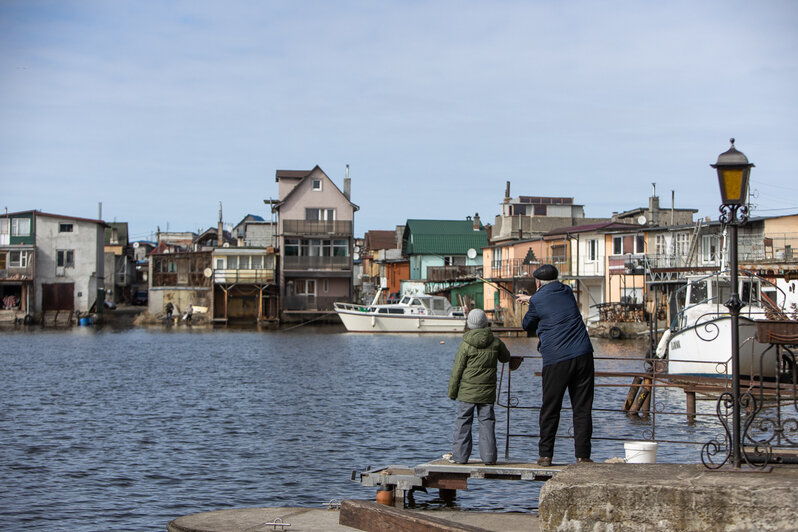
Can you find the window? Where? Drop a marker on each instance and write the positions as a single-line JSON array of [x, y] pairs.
[[65, 258], [305, 287], [257, 262], [325, 285], [3, 261], [682, 242], [219, 263], [319, 215], [709, 249], [497, 258], [291, 247], [454, 260], [660, 245], [316, 184], [628, 244], [540, 210], [340, 248], [232, 262], [18, 259], [67, 228], [592, 250], [20, 227], [243, 262]]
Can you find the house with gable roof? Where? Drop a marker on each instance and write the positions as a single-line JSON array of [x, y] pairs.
[[52, 262], [315, 235]]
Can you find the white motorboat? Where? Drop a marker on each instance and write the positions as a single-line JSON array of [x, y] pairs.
[[413, 313], [699, 340]]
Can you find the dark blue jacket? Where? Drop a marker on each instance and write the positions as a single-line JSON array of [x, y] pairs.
[[554, 315]]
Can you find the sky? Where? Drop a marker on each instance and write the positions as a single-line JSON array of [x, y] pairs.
[[159, 110]]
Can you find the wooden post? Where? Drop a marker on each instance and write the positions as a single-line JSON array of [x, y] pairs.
[[630, 397], [690, 396], [645, 390]]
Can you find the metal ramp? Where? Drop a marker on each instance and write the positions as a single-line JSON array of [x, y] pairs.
[[448, 477]]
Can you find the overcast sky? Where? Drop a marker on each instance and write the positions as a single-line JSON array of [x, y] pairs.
[[160, 110]]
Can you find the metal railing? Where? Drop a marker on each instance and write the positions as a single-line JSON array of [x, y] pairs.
[[643, 404], [243, 276]]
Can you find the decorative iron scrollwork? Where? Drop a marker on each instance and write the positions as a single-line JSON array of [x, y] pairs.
[[733, 214]]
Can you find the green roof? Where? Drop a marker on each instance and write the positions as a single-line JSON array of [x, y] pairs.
[[442, 237]]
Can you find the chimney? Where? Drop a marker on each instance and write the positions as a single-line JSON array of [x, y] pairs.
[[476, 221], [507, 193], [220, 228], [653, 206], [347, 185]]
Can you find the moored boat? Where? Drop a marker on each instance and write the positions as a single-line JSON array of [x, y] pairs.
[[699, 340], [413, 313]]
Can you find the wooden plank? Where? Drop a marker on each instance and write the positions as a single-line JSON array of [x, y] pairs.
[[373, 517], [449, 481]]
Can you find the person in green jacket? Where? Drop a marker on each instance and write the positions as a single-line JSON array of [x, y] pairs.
[[473, 385]]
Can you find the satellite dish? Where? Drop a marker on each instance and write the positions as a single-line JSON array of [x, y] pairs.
[[207, 273], [135, 245], [641, 220], [356, 256], [226, 245], [471, 253], [357, 249]]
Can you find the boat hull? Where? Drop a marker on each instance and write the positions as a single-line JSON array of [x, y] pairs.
[[368, 322], [705, 349]]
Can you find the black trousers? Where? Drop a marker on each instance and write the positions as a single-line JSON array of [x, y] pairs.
[[576, 376]]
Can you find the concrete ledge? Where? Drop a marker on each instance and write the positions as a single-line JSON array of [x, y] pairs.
[[620, 497], [373, 517]]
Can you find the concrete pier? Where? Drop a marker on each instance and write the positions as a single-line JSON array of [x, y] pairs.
[[637, 497]]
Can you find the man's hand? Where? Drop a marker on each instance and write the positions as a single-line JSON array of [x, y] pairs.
[[522, 298]]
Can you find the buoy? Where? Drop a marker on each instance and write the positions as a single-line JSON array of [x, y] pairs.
[[385, 495]]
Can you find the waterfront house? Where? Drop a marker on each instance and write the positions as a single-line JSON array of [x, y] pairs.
[[244, 285], [181, 278], [373, 262], [579, 252], [315, 223], [446, 254], [52, 262], [254, 231], [527, 216], [120, 268]]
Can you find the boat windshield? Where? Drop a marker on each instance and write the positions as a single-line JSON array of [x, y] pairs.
[[405, 300]]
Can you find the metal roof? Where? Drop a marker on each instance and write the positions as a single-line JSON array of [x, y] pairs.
[[442, 237]]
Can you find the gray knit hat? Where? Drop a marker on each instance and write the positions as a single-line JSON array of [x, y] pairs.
[[477, 319]]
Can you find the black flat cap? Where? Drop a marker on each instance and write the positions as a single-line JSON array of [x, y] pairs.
[[547, 272]]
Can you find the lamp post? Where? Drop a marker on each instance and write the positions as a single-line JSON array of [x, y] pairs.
[[733, 171]]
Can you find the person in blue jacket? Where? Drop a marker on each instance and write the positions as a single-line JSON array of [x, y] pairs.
[[567, 361]]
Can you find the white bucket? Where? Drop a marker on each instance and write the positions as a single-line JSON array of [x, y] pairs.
[[641, 452]]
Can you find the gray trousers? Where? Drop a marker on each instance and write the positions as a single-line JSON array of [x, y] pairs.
[[461, 448]]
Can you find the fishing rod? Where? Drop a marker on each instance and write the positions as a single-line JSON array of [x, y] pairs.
[[497, 286]]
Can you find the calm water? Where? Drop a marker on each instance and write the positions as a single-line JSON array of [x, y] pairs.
[[129, 429]]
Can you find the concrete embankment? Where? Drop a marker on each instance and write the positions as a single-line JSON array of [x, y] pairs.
[[642, 497]]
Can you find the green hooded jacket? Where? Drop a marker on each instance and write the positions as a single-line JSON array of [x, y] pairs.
[[473, 378]]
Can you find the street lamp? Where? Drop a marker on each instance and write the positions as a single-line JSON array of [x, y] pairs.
[[733, 171]]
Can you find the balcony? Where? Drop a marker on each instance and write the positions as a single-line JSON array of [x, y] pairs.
[[514, 268], [243, 276], [341, 228], [453, 273], [317, 263], [16, 264]]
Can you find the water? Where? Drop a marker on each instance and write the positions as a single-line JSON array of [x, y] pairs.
[[128, 429]]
